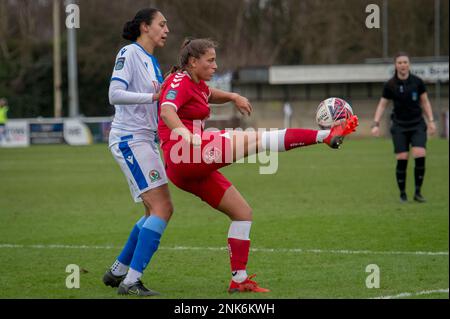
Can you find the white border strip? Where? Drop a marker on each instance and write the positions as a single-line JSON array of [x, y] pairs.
[[412, 294], [264, 250]]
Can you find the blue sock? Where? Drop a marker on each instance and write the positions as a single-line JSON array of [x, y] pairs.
[[128, 250], [148, 242]]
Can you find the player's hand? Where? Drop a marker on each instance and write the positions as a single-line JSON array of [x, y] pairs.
[[156, 96], [431, 128], [243, 105], [376, 131]]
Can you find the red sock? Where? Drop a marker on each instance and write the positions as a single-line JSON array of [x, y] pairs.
[[238, 250], [297, 137]]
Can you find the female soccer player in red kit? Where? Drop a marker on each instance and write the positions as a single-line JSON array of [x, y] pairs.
[[193, 156]]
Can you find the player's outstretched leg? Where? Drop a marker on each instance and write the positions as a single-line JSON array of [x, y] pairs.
[[249, 143], [288, 139]]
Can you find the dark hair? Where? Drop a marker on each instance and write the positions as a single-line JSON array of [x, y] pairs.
[[192, 48], [399, 54], [131, 29]]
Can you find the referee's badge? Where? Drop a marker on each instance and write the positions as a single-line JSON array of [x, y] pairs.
[[414, 96], [119, 64]]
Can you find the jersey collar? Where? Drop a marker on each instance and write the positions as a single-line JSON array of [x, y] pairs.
[[145, 51]]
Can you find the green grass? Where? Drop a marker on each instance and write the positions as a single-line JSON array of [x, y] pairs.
[[319, 199]]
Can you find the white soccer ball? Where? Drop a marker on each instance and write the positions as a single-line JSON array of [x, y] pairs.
[[331, 111]]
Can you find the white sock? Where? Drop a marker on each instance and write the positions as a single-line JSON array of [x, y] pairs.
[[132, 276], [273, 140], [240, 230], [321, 135], [119, 269], [239, 275]]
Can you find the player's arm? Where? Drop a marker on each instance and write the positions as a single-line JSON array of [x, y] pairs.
[[426, 106], [122, 76], [219, 97], [119, 95], [172, 120], [382, 104]]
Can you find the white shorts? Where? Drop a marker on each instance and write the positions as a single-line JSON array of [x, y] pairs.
[[141, 163]]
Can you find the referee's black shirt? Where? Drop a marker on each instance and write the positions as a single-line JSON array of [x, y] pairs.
[[406, 96]]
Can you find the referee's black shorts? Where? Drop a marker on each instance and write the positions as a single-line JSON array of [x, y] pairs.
[[403, 137]]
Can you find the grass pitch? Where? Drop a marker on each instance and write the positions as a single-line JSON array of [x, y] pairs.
[[318, 222]]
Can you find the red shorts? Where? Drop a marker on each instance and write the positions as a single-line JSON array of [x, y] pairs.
[[194, 169]]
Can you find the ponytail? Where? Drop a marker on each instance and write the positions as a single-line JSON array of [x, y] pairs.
[[131, 30]]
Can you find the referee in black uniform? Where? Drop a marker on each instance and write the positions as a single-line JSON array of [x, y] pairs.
[[408, 127]]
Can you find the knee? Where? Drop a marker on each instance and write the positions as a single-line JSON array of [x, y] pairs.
[[419, 153], [250, 215], [166, 209], [246, 214], [163, 209], [402, 156]]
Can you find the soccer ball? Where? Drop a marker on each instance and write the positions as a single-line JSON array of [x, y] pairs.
[[332, 110]]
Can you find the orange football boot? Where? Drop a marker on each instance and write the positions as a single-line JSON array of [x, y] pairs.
[[339, 131], [247, 285]]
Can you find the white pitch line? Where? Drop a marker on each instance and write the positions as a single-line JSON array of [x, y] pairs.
[[413, 294], [264, 250]]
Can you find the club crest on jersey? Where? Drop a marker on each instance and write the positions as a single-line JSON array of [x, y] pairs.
[[212, 154], [171, 95], [119, 64], [154, 176]]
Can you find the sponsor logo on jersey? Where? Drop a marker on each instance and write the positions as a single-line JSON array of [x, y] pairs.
[[119, 64], [154, 176], [171, 95]]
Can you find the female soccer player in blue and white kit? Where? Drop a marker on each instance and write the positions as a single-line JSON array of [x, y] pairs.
[[134, 91]]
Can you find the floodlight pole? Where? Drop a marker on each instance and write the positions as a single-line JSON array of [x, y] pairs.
[[72, 71], [57, 95]]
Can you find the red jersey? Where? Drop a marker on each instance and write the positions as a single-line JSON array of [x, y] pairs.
[[188, 98]]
